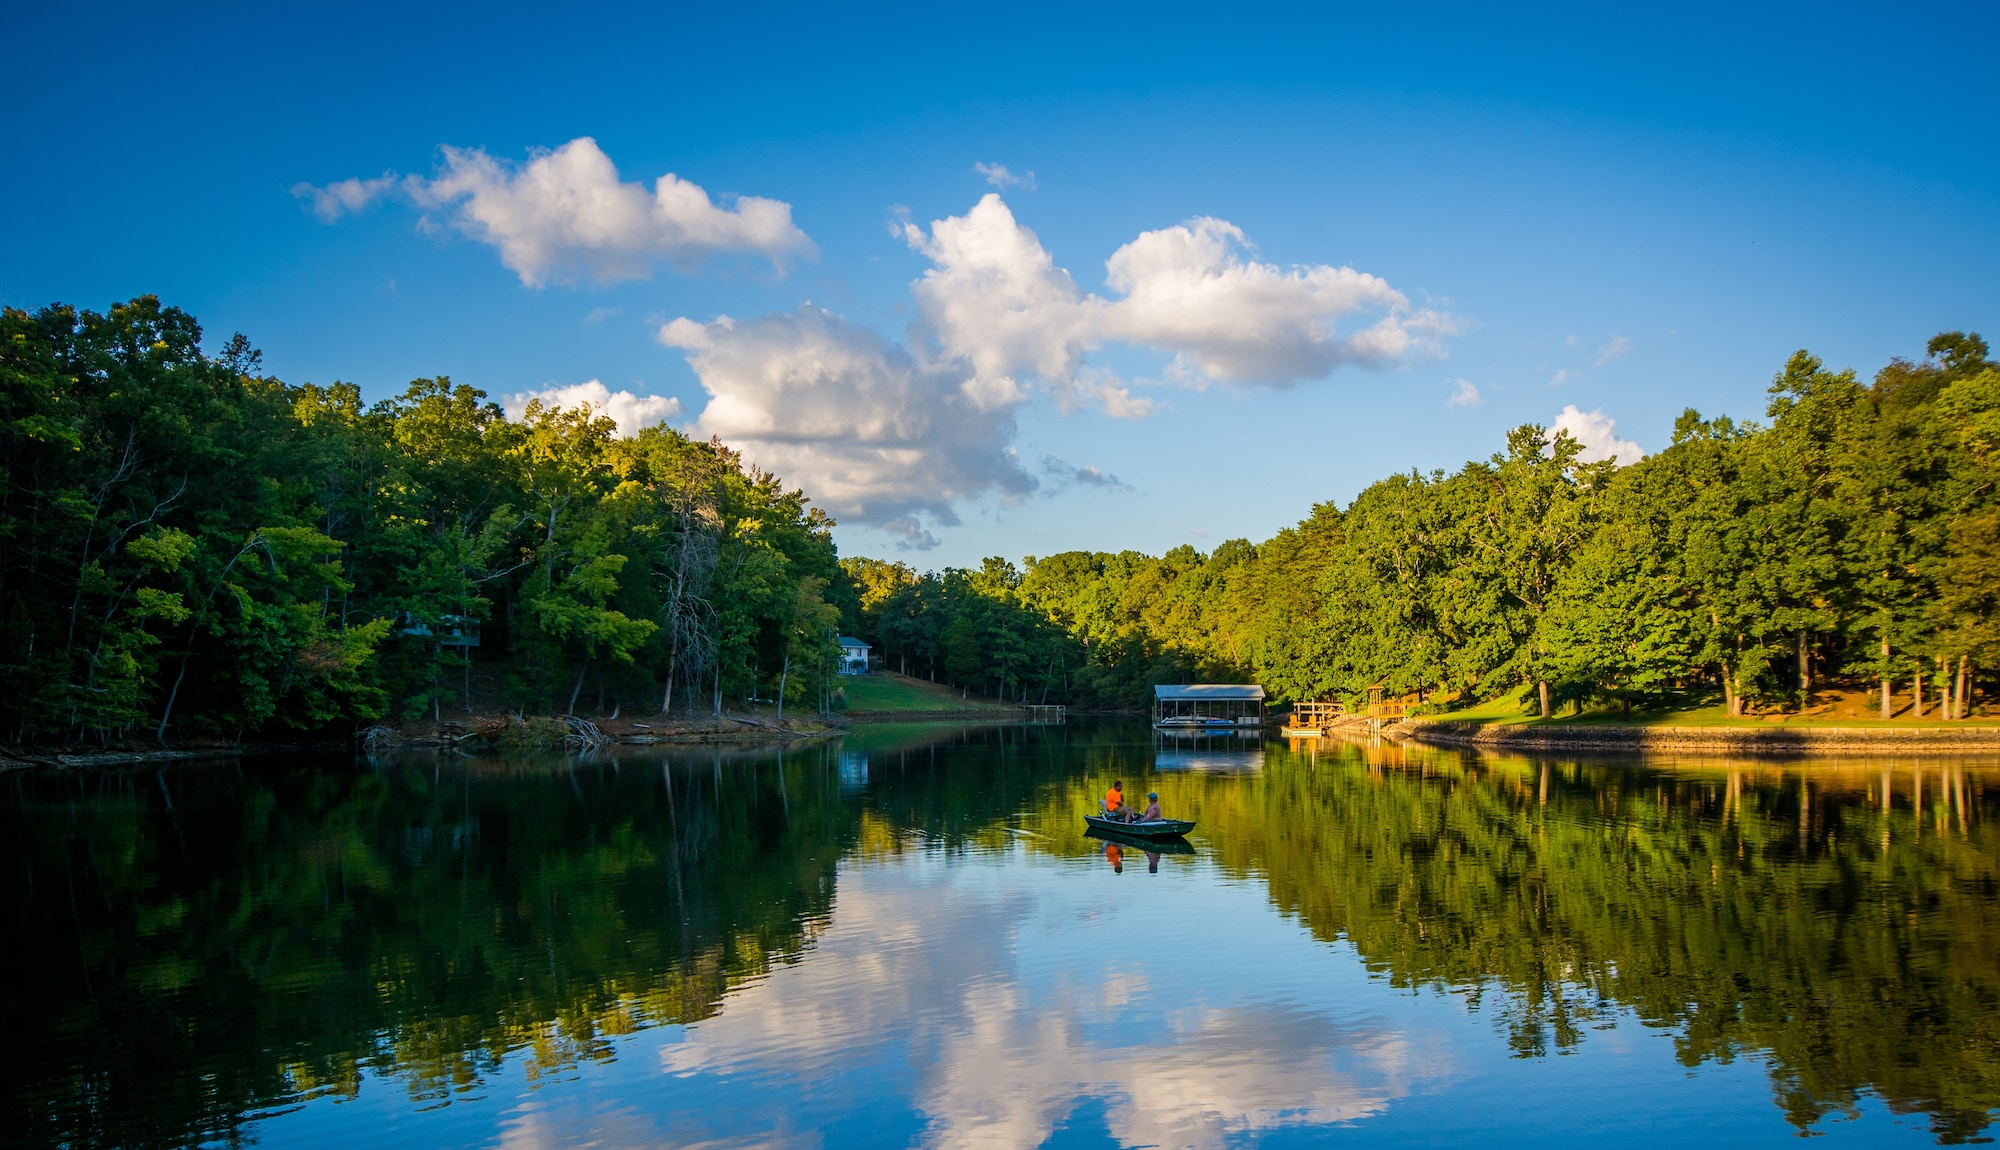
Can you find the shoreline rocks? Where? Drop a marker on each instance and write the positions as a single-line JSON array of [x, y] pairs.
[[1776, 741]]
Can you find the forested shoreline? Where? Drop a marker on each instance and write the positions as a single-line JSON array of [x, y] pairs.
[[190, 548], [1853, 540]]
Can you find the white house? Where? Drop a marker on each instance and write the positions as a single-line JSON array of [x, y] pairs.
[[853, 656]]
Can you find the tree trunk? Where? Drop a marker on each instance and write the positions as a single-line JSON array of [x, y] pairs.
[[160, 735], [1542, 689], [1917, 691], [1887, 707], [1735, 698], [1729, 699], [673, 664], [1963, 688], [784, 673], [578, 689], [1805, 670]]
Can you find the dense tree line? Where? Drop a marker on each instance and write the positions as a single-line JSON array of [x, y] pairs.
[[1855, 537], [190, 546]]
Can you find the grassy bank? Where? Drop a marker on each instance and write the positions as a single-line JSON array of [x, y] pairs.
[[886, 693]]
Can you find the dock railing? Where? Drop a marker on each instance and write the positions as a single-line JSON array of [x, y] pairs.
[[1312, 718]]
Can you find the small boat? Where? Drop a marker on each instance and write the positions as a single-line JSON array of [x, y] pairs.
[[1195, 723], [1168, 846], [1156, 829]]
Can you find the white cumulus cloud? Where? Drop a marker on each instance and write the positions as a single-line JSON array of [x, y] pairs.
[[873, 433], [996, 298], [1598, 433], [895, 435], [1193, 289], [564, 215], [1464, 393], [631, 411]]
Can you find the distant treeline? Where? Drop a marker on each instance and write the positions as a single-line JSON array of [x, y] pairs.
[[1853, 539], [188, 546]]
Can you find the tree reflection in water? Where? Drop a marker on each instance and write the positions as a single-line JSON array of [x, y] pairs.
[[189, 949]]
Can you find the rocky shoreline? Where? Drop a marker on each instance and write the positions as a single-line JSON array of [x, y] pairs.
[[509, 732], [14, 759], [1776, 741]]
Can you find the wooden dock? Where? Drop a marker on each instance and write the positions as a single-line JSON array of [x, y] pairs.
[[1312, 720]]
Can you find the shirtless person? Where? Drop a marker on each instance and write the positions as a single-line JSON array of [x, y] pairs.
[[1152, 814]]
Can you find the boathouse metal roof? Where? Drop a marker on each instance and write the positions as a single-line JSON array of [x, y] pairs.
[[1234, 692], [850, 641]]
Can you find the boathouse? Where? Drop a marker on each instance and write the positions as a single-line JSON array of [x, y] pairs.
[[1208, 703]]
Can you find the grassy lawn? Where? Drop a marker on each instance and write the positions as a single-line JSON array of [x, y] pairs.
[[885, 691], [1507, 709]]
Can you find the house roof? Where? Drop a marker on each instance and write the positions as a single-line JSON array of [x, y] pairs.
[[851, 641], [1245, 692]]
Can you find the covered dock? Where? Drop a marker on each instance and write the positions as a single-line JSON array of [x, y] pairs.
[[1208, 704]]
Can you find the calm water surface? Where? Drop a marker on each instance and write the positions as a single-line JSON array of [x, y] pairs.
[[904, 938]]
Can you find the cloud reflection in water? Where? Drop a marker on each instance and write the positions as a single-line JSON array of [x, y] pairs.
[[954, 982]]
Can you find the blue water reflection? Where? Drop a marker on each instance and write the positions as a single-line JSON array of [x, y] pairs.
[[974, 973]]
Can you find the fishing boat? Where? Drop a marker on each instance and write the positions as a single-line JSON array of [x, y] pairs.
[[1149, 830]]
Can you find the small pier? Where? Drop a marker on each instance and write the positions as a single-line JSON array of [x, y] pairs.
[[1312, 720], [1047, 712], [1384, 711]]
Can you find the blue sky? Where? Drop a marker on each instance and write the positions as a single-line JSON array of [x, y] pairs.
[[1625, 213]]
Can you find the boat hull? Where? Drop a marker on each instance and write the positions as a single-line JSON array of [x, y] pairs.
[[1158, 829]]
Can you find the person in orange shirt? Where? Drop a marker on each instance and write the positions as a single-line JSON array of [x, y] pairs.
[[1114, 801]]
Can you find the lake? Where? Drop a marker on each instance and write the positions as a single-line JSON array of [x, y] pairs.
[[904, 938]]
